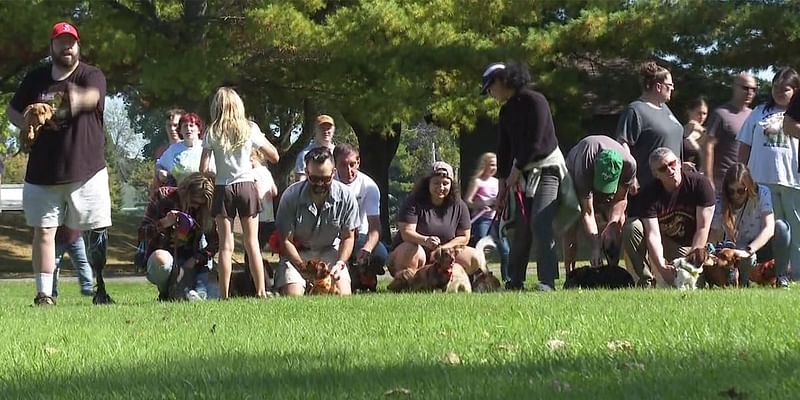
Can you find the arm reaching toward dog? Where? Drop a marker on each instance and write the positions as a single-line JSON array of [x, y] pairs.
[[655, 250], [704, 216]]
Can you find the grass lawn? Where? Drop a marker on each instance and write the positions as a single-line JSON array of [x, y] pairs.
[[636, 344]]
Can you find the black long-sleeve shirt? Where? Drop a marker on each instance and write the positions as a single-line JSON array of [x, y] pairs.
[[526, 131]]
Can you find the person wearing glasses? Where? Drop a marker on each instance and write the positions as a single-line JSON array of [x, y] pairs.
[[316, 219], [744, 215], [674, 217], [720, 149], [771, 155], [647, 123]]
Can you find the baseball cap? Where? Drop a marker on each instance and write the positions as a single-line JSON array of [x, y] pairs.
[[607, 169], [64, 28], [325, 119], [443, 168], [489, 74]]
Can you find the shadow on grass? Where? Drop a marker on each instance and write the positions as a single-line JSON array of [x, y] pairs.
[[347, 375]]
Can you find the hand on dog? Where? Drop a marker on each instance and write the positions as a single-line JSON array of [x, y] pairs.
[[669, 273], [337, 269], [363, 257], [431, 242]]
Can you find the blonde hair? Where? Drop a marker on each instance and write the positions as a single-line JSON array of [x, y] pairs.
[[483, 162], [197, 185], [229, 127]]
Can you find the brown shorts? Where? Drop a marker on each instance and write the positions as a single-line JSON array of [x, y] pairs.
[[239, 198]]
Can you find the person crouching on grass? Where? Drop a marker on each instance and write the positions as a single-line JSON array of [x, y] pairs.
[[231, 139]]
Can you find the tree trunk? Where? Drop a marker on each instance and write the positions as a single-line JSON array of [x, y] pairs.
[[377, 150], [472, 144]]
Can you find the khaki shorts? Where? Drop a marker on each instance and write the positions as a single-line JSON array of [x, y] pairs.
[[78, 205], [286, 273]]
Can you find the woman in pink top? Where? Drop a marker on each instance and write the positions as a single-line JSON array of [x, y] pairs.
[[480, 197]]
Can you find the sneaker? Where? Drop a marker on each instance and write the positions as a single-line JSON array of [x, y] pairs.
[[783, 282], [193, 296], [543, 287], [42, 299]]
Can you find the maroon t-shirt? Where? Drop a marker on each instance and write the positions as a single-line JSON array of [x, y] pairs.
[[73, 151], [442, 221], [677, 211]]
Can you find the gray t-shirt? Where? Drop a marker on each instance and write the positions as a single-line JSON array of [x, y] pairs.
[[315, 228], [723, 124], [645, 128], [580, 163]]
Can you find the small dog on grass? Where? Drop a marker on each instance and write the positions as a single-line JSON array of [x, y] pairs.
[[433, 276], [242, 284], [318, 277], [36, 115], [603, 277], [689, 268], [484, 281], [764, 273], [724, 265]]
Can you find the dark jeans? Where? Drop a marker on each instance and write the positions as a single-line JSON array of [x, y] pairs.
[[483, 227], [541, 209], [379, 254]]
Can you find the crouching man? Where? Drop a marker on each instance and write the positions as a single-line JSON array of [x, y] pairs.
[[316, 219]]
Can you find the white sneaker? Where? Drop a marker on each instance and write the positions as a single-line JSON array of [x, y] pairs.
[[193, 296]]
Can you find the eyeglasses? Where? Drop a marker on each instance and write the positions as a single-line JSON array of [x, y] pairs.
[[669, 165], [320, 179], [748, 88], [670, 85]]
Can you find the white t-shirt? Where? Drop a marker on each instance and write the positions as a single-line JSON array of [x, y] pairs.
[[234, 166], [747, 219], [773, 154], [264, 177], [180, 160], [368, 197], [300, 162]]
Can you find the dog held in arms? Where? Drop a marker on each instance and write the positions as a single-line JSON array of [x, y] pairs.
[[318, 277], [36, 116]]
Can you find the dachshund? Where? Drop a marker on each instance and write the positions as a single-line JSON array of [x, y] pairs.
[[603, 277], [242, 284], [434, 276], [724, 266], [318, 277], [483, 281]]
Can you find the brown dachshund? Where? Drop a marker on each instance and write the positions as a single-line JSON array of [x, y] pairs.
[[434, 276], [717, 273], [36, 115], [318, 277], [764, 274]]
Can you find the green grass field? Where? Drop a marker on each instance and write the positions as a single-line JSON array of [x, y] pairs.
[[633, 344]]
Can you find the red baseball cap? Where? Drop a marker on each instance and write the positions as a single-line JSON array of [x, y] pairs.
[[64, 28]]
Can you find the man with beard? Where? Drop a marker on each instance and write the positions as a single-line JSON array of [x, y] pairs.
[[369, 252], [66, 182], [674, 218], [316, 218]]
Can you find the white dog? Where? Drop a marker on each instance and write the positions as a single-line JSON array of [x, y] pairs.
[[687, 274]]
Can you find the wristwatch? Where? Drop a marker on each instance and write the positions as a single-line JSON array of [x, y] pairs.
[[749, 251]]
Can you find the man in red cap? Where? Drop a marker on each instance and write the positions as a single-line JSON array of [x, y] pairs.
[[323, 137], [66, 182]]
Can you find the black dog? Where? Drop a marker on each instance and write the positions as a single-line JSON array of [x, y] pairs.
[[607, 277], [96, 249]]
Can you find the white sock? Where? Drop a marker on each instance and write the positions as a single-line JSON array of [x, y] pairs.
[[44, 283]]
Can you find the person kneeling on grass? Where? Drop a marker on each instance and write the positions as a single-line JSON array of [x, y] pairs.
[[180, 232], [746, 217], [312, 215]]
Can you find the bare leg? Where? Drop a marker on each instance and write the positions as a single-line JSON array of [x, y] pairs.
[[225, 233]]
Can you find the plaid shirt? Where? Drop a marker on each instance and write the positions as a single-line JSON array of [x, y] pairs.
[[164, 200]]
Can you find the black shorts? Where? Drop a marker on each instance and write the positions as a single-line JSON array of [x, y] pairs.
[[240, 199]]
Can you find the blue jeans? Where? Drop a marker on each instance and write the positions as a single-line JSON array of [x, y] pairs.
[[541, 212], [379, 254], [778, 248], [482, 227], [77, 253], [159, 275]]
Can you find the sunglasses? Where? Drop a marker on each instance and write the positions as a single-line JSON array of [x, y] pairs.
[[320, 179], [669, 165], [739, 191]]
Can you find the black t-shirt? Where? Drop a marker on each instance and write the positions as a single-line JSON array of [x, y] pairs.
[[443, 221], [793, 109], [73, 151], [526, 131], [677, 211]]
